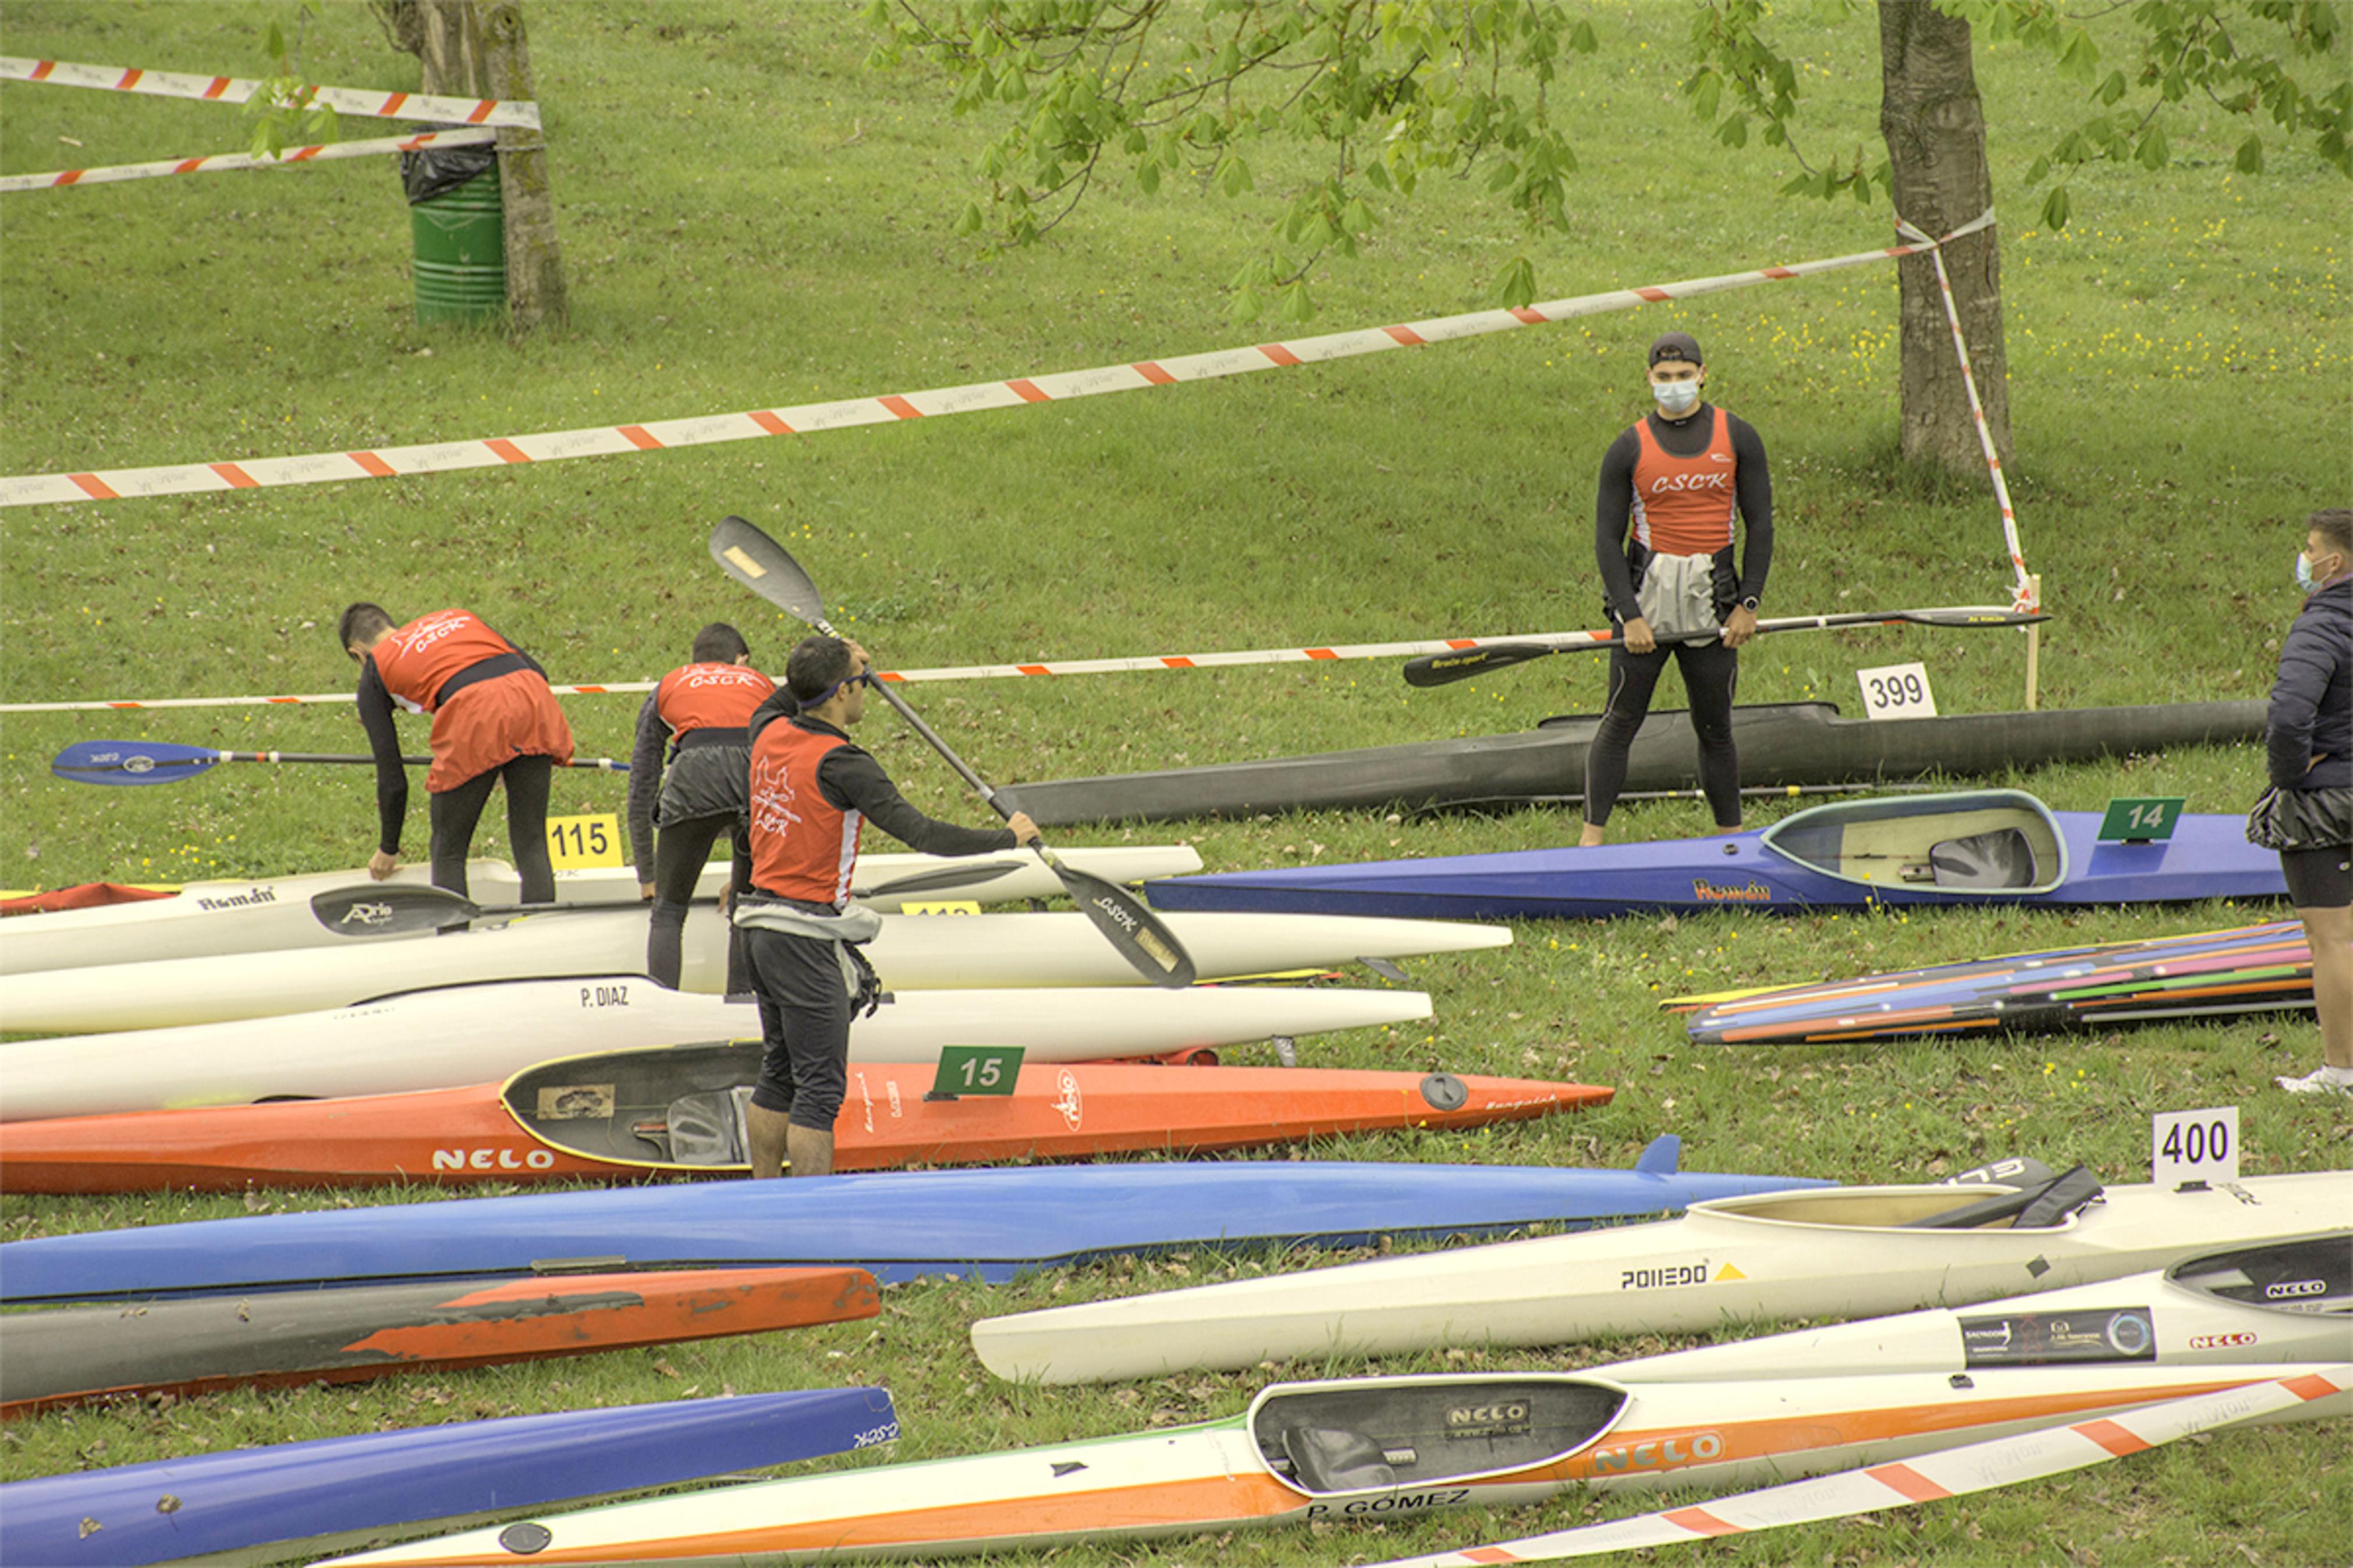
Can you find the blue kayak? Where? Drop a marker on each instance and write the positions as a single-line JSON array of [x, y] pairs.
[[331, 1493], [991, 1223], [1981, 846]]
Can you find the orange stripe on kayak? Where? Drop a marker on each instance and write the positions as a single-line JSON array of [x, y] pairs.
[[2112, 1438], [1910, 1482], [590, 1311], [1699, 1521]]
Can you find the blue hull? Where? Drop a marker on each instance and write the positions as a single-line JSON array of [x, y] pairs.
[[2207, 857], [292, 1498], [991, 1223]]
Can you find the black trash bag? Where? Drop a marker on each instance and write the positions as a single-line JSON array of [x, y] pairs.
[[431, 172]]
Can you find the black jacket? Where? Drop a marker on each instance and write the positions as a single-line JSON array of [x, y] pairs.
[[2311, 713]]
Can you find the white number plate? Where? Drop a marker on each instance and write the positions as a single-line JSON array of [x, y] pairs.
[[1898, 691]]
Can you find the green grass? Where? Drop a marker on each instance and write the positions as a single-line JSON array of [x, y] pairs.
[[750, 220]]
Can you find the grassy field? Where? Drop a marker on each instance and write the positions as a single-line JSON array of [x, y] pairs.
[[751, 220]]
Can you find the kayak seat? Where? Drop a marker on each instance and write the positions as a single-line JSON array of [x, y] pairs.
[[707, 1129], [1335, 1460], [2002, 859]]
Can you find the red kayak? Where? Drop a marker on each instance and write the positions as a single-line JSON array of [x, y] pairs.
[[359, 1332], [679, 1110]]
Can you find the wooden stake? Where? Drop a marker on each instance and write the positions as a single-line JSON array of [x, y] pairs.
[[2034, 648]]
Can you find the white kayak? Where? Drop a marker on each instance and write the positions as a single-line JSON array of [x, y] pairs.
[[914, 953], [268, 914], [1343, 1452], [463, 1034], [2275, 1301], [1836, 1252]]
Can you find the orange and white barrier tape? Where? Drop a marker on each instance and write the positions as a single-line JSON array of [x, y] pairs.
[[654, 436], [944, 672], [372, 103], [1953, 1472], [2023, 596], [291, 157]]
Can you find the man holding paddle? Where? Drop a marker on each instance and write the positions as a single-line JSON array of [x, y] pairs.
[[494, 719], [1672, 487], [812, 792]]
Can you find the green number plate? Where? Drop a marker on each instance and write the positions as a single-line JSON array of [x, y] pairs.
[[2136, 820], [977, 1070]]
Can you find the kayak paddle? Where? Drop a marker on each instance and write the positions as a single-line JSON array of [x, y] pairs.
[[160, 762], [761, 564], [402, 908], [1444, 668]]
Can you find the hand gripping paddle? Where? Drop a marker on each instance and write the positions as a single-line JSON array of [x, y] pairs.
[[761, 564]]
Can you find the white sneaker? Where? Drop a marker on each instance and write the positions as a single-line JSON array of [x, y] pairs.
[[2320, 1081]]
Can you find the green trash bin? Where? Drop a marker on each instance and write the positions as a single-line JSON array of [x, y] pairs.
[[459, 227]]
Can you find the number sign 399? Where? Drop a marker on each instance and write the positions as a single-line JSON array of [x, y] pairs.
[[2194, 1147], [1898, 691]]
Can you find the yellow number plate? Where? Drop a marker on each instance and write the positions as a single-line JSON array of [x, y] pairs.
[[573, 842]]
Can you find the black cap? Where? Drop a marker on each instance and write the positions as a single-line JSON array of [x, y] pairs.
[[1676, 345]]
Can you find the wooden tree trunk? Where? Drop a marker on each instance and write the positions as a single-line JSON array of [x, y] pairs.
[[1934, 126], [472, 50]]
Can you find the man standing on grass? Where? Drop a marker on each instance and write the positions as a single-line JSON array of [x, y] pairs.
[[1673, 486], [812, 792], [494, 719]]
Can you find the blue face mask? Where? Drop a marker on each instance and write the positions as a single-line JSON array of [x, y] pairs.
[[1676, 398], [2304, 578]]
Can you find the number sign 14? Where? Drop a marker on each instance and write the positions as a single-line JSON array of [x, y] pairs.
[[2193, 1148], [1898, 691], [577, 841]]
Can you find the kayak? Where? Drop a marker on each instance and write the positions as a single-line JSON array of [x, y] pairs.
[[2275, 1301], [205, 919], [679, 1110], [331, 1493], [1974, 847], [459, 1034], [1846, 1252], [2221, 974], [1355, 1451], [1780, 744], [990, 1224], [70, 1354], [914, 953]]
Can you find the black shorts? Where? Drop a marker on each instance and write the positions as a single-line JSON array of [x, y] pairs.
[[2318, 879], [806, 1005]]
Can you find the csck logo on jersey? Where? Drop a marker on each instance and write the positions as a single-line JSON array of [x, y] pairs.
[[1700, 481]]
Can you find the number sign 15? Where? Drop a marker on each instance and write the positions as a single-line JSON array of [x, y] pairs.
[[975, 1070], [2194, 1148], [1898, 691], [577, 841]]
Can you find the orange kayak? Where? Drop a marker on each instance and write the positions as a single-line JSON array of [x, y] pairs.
[[678, 1111], [359, 1332]]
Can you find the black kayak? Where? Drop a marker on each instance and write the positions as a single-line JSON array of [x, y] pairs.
[[1781, 744]]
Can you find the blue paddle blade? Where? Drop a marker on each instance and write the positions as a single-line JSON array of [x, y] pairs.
[[132, 762]]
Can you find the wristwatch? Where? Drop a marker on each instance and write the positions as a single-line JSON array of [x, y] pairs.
[[1749, 604]]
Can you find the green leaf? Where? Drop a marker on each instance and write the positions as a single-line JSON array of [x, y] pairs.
[[1147, 177], [2153, 151], [2080, 58], [1236, 177], [968, 221], [1297, 306], [2054, 209], [1517, 286], [2037, 170], [2249, 159], [1582, 40], [1733, 132], [2113, 89], [1706, 94]]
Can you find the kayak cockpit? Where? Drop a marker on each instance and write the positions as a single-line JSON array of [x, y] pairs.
[[2042, 1203], [677, 1109], [1980, 841], [1377, 1435], [2311, 1274]]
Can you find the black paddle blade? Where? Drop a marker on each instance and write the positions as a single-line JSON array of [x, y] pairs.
[[763, 566], [1142, 937], [973, 874], [1445, 669], [390, 909]]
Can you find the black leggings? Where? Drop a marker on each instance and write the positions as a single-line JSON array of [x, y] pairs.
[[1711, 671], [456, 812], [682, 849]]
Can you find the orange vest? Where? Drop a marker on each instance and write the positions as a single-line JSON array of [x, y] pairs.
[[802, 846], [1685, 506], [415, 661], [710, 697]]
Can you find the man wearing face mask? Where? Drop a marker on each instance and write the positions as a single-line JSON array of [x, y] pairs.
[[1674, 488]]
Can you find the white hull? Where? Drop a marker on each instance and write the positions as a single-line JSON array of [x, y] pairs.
[[1837, 1252], [2171, 1317], [270, 914], [440, 1040], [1224, 1475], [914, 953]]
